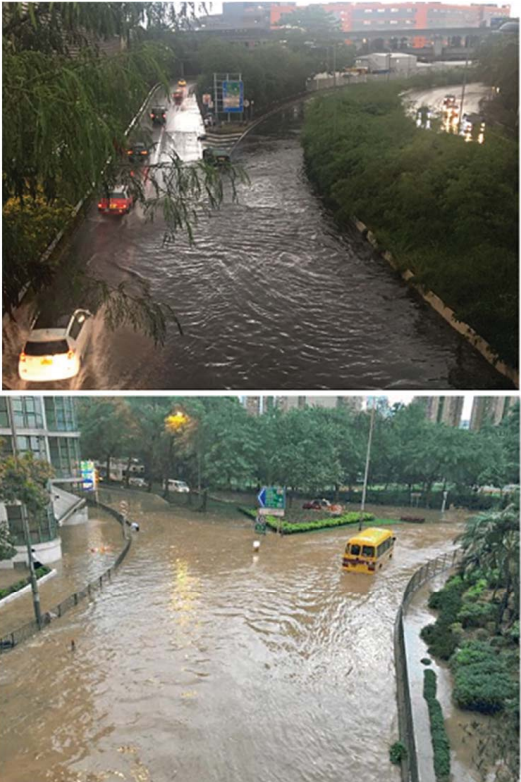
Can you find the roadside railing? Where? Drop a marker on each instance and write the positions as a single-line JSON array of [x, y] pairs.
[[9, 641], [409, 767]]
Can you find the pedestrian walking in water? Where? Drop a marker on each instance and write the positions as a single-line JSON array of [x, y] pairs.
[[73, 646]]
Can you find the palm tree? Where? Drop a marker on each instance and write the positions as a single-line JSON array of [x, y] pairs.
[[491, 544]]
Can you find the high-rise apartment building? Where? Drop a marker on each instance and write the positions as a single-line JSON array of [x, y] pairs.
[[46, 427], [490, 410], [442, 409]]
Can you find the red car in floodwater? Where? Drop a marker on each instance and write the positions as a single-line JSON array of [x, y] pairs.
[[119, 202]]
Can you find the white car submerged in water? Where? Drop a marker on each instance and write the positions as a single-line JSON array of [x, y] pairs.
[[55, 353]]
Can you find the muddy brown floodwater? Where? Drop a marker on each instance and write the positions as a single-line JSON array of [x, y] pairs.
[[203, 662]]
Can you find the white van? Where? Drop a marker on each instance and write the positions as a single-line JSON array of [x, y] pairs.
[[179, 486]]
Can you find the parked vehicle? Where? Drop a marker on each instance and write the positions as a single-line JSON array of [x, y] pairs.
[[367, 551], [54, 352], [216, 157], [119, 201], [139, 482], [316, 505], [178, 486], [158, 115]]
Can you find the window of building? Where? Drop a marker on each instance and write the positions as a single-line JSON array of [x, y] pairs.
[[31, 444], [4, 417], [42, 526], [60, 413], [27, 411], [65, 456], [368, 10]]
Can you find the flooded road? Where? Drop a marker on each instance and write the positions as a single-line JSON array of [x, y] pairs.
[[271, 296], [201, 661]]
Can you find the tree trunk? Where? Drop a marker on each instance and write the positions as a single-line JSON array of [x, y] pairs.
[[204, 502]]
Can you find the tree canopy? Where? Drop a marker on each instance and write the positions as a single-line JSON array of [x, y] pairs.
[[67, 128], [219, 445]]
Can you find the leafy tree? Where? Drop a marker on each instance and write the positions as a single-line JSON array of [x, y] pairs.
[[107, 428], [491, 545], [7, 549], [55, 79], [25, 479], [498, 66], [314, 22], [445, 209]]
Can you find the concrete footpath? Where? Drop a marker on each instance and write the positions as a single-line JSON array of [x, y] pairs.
[[460, 725]]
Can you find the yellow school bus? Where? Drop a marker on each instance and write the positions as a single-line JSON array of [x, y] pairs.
[[367, 551]]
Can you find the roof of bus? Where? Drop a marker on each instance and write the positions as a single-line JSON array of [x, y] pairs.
[[373, 535]]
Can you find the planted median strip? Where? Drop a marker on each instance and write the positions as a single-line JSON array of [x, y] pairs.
[[289, 528]]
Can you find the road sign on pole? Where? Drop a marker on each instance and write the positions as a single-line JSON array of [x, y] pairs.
[[272, 499], [88, 475]]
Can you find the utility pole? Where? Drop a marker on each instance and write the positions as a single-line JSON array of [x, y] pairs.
[[25, 524], [367, 460]]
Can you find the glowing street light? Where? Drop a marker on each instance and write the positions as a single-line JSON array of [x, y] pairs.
[[175, 421]]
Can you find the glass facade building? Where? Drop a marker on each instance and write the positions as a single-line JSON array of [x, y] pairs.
[[47, 427]]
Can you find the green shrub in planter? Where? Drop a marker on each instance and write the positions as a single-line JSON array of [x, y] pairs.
[[477, 614], [472, 652], [39, 572], [483, 686], [440, 640], [397, 753], [440, 741]]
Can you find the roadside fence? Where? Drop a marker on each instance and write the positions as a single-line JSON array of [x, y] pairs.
[[14, 638], [434, 567]]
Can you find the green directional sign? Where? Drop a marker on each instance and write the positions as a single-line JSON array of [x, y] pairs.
[[272, 497]]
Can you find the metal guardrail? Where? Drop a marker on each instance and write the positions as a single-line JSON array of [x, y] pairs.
[[409, 767], [11, 640]]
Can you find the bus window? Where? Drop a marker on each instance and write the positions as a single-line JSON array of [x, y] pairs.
[[355, 550], [368, 551]]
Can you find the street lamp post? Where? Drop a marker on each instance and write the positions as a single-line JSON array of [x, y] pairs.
[[463, 90], [366, 473], [25, 524]]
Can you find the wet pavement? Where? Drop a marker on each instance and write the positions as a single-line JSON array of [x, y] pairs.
[[203, 661]]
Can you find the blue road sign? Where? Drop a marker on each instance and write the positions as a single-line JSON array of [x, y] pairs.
[[272, 497]]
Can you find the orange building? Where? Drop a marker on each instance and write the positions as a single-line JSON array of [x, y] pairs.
[[419, 16]]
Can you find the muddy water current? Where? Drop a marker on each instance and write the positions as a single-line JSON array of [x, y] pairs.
[[203, 661]]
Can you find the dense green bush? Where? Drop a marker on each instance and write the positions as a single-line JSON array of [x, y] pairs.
[[440, 637], [41, 571], [440, 741], [476, 590], [445, 209], [483, 687], [397, 753], [477, 614], [481, 680]]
